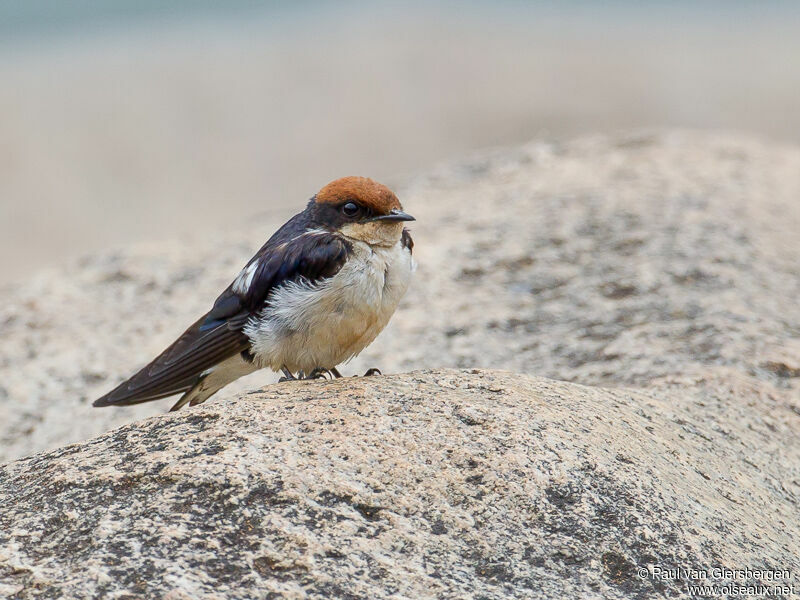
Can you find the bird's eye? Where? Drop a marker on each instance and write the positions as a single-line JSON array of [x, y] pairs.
[[351, 209]]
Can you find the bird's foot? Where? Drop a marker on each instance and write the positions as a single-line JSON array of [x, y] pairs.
[[317, 373], [372, 371], [287, 375]]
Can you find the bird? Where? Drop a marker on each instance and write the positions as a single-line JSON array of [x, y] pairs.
[[314, 296]]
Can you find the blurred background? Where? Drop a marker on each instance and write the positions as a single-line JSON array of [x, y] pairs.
[[126, 120]]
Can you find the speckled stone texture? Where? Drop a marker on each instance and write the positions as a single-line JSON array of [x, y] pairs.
[[662, 267], [603, 261], [432, 484]]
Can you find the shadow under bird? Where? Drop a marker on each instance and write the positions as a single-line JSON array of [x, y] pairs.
[[315, 295]]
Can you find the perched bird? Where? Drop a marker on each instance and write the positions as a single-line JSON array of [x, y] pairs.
[[315, 295]]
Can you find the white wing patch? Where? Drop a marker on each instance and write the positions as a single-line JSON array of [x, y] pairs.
[[244, 280]]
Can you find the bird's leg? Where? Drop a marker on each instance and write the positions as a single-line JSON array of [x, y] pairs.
[[372, 371], [335, 372], [287, 375]]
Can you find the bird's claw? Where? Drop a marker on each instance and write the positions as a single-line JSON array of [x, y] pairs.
[[287, 375], [372, 371], [318, 373]]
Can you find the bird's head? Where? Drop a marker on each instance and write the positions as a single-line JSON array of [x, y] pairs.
[[360, 208]]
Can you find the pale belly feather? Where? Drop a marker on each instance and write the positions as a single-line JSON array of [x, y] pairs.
[[306, 326]]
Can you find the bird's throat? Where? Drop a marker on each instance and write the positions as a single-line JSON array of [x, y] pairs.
[[376, 233]]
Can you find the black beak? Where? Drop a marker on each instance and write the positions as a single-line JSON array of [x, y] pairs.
[[395, 215]]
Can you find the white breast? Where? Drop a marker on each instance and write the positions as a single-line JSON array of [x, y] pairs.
[[306, 326]]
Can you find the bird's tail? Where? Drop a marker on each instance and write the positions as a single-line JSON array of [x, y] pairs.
[[197, 353], [214, 380]]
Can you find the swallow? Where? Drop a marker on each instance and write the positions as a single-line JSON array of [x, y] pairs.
[[314, 296]]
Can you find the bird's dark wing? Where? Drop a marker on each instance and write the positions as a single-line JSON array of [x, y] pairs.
[[289, 255], [177, 368]]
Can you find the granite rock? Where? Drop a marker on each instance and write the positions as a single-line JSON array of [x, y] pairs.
[[432, 484], [654, 274], [606, 260]]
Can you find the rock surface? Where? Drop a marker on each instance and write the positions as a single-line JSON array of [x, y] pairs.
[[604, 261], [662, 265], [433, 484]]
